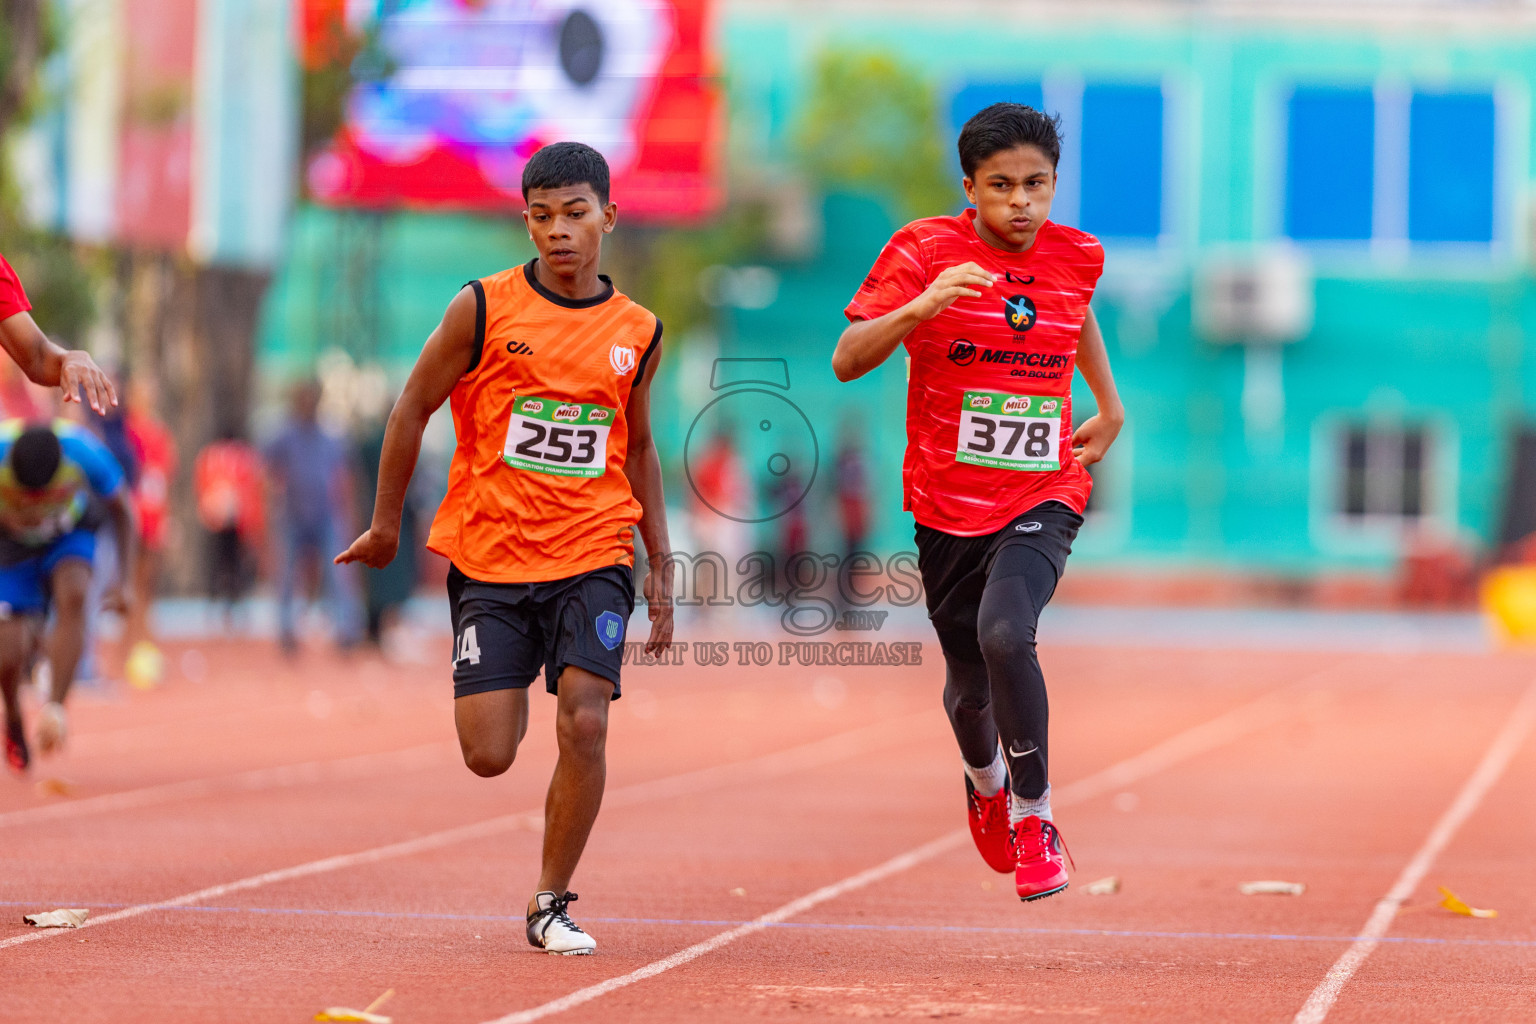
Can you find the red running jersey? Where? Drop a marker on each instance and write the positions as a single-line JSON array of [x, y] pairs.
[[989, 394], [13, 299]]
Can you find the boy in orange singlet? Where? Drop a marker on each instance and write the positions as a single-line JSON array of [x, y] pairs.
[[548, 371]]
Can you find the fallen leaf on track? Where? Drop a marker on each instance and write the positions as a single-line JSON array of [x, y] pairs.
[[341, 1013], [58, 918], [55, 787], [1456, 905], [1103, 887], [1271, 888]]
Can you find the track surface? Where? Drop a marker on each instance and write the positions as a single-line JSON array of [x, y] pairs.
[[734, 792]]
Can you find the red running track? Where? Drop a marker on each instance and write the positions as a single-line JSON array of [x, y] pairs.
[[782, 845]]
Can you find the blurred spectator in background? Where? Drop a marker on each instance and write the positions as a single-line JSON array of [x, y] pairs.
[[851, 474], [226, 480], [386, 590], [720, 485], [786, 491], [311, 481], [154, 450], [850, 477]]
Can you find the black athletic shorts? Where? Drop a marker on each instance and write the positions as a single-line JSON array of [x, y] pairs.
[[503, 633], [955, 569]]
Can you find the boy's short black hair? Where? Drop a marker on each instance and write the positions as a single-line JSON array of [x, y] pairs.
[[562, 164], [35, 457], [1004, 126]]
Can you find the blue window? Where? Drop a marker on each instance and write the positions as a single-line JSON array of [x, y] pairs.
[[975, 95], [1330, 164], [1122, 161], [1450, 167]]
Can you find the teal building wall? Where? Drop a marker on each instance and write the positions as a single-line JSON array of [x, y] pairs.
[[1430, 334]]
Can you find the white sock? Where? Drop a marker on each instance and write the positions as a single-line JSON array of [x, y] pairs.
[[987, 781], [1019, 808]]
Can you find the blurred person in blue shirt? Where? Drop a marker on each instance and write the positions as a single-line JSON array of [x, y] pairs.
[[311, 474], [58, 484]]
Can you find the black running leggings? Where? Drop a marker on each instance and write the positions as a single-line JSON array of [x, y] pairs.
[[1004, 697]]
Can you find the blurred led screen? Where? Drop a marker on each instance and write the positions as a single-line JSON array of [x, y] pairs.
[[449, 98]]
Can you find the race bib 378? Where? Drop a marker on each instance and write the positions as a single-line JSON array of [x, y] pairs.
[[1018, 432]]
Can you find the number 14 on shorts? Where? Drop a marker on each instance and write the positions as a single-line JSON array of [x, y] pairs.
[[466, 646], [1003, 431]]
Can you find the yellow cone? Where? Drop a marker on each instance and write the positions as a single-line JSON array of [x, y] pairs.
[[145, 667], [1509, 598]]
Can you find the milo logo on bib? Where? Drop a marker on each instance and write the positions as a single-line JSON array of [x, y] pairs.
[[1017, 432], [558, 437]]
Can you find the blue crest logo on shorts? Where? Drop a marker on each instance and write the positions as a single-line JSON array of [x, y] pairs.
[[610, 630]]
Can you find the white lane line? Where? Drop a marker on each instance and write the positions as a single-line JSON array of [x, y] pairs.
[[1488, 771], [897, 864], [339, 770], [769, 766], [1241, 721]]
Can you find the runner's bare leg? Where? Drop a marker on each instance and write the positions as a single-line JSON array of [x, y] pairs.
[[576, 791]]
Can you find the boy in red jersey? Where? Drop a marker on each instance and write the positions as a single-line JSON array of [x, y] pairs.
[[992, 307]]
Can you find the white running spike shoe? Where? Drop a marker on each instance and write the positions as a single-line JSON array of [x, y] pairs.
[[551, 929]]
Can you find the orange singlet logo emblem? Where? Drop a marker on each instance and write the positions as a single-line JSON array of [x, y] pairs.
[[621, 358]]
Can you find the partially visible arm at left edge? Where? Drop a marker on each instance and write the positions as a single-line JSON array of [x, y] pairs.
[[51, 366], [642, 467], [1091, 440]]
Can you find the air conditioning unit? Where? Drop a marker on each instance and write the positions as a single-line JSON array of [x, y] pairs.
[[1263, 297]]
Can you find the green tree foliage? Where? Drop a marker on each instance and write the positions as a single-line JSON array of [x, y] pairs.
[[23, 43], [872, 125], [663, 268], [59, 283], [57, 279], [332, 67]]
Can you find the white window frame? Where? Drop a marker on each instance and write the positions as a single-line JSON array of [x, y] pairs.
[[1389, 244], [1335, 532]]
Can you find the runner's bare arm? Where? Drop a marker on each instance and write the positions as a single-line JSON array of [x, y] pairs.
[[47, 364], [643, 469], [1091, 440], [443, 360], [117, 597], [865, 344]]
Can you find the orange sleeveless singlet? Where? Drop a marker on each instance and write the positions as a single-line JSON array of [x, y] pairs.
[[536, 490]]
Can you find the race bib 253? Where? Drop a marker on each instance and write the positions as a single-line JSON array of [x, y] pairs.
[[547, 435]]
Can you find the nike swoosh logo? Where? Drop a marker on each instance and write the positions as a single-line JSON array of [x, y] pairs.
[[1020, 753]]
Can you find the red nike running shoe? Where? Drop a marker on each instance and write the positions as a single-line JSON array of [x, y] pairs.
[[989, 827], [1040, 871], [16, 754]]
